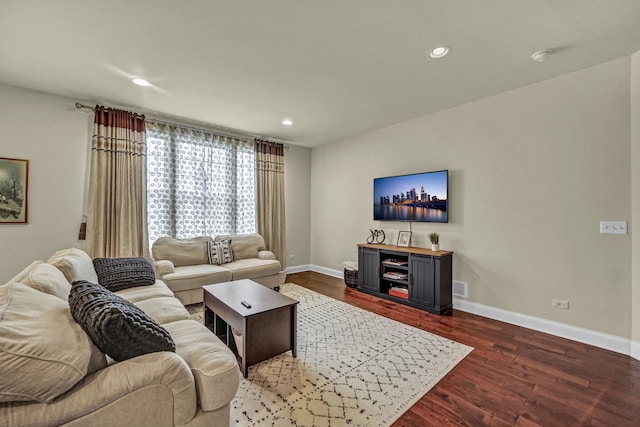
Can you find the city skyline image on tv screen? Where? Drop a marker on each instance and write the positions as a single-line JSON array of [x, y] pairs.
[[420, 197]]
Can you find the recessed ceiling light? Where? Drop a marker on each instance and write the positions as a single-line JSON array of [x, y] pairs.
[[541, 55], [440, 51], [141, 82], [287, 122]]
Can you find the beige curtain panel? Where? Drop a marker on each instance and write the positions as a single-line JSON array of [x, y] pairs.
[[116, 225], [270, 196]]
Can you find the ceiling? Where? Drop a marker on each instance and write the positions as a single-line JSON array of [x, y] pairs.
[[337, 67]]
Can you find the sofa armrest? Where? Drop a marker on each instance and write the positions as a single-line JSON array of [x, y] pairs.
[[266, 255], [107, 391], [163, 267]]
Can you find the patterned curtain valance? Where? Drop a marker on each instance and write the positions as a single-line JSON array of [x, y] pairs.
[[269, 147], [270, 156], [119, 118], [118, 131]]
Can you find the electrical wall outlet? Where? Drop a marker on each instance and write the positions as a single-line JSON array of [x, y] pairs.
[[613, 227], [560, 303]]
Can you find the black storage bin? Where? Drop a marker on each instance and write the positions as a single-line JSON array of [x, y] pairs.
[[350, 274]]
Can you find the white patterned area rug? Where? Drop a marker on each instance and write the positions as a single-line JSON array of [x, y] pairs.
[[354, 368]]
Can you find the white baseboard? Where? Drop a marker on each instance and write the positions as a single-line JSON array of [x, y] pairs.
[[298, 268], [317, 268], [328, 271], [575, 333], [635, 350]]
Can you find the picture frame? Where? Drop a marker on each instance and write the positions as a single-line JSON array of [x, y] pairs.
[[404, 239], [14, 190]]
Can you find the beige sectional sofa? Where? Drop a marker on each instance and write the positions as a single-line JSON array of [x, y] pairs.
[[183, 264], [52, 374]]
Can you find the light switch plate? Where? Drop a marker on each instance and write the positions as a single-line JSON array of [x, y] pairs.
[[613, 227]]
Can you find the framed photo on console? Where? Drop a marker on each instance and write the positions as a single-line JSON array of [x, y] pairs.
[[14, 183], [404, 239]]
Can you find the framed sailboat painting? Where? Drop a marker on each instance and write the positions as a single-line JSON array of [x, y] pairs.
[[14, 188]]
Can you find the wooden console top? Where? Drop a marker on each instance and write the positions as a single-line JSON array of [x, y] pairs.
[[411, 249]]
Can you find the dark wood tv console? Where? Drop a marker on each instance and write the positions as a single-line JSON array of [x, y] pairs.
[[417, 277]]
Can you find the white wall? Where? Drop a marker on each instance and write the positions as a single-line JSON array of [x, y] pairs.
[[297, 164], [50, 132], [635, 200], [532, 172]]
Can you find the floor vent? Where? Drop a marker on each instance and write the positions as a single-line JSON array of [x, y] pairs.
[[459, 289]]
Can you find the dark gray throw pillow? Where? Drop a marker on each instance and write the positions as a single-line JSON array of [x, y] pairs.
[[116, 274], [117, 327]]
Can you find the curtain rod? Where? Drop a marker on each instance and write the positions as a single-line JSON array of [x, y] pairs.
[[86, 107], [221, 133]]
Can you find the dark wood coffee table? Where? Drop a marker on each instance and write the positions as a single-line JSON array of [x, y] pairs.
[[268, 328]]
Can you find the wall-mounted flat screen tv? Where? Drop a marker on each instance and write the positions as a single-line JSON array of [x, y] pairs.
[[419, 197]]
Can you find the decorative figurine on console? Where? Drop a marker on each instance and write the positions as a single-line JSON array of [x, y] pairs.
[[377, 236]]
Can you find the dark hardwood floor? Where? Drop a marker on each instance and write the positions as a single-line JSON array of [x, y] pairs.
[[514, 375]]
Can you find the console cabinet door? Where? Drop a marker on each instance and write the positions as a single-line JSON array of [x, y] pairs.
[[443, 277], [368, 269], [422, 287]]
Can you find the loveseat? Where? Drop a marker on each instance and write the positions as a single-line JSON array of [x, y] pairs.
[[52, 373], [184, 264]]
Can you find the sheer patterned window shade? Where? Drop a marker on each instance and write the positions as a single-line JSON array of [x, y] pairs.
[[199, 183]]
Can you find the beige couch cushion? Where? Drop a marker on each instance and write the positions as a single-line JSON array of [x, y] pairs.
[[193, 276], [44, 278], [43, 352], [140, 293], [181, 251], [75, 264], [266, 255], [244, 245], [213, 365], [163, 310], [252, 268], [20, 277], [163, 266], [156, 389]]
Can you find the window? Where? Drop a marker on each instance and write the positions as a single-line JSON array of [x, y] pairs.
[[199, 183]]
